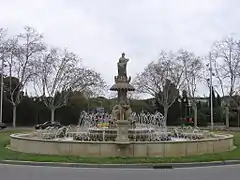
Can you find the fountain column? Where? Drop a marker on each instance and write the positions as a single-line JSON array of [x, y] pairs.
[[122, 131], [121, 114]]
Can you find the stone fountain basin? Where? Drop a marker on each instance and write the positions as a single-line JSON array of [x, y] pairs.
[[27, 144]]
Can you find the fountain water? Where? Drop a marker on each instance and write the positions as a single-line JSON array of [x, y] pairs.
[[148, 127]]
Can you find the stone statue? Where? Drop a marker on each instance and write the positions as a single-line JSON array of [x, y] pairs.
[[117, 114], [127, 112], [121, 112], [121, 116], [122, 65], [114, 116]]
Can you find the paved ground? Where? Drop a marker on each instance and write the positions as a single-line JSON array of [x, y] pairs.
[[12, 172]]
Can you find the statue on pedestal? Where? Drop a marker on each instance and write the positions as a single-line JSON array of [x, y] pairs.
[[122, 110], [122, 66]]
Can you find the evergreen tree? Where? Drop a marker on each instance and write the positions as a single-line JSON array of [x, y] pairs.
[[218, 100], [199, 105], [185, 104], [214, 100]]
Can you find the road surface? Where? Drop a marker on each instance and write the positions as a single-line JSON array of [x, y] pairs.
[[18, 172]]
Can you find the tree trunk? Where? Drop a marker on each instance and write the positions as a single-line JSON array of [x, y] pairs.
[[165, 115], [52, 114], [14, 115], [227, 117], [195, 116]]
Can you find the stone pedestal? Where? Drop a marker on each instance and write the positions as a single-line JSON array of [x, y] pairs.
[[122, 131]]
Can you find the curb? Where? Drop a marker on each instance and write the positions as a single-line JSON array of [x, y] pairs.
[[125, 166]]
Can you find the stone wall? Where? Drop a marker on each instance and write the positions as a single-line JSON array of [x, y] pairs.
[[23, 143]]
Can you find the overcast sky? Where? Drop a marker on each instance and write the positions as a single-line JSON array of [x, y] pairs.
[[100, 30]]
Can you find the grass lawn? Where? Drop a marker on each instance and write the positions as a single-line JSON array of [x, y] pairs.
[[6, 154]]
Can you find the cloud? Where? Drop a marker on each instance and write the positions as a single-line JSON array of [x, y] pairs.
[[99, 31]]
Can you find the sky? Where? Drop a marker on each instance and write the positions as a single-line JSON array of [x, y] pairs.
[[100, 30]]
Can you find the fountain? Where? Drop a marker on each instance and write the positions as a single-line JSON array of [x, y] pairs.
[[144, 127], [121, 133]]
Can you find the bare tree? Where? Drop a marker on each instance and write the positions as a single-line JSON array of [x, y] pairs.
[[227, 70], [21, 53], [59, 75], [227, 63], [192, 70], [162, 79], [3, 33]]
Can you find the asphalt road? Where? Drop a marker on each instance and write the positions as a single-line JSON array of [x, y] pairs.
[[13, 172]]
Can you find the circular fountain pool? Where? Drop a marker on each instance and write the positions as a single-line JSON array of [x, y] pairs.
[[149, 138], [67, 146]]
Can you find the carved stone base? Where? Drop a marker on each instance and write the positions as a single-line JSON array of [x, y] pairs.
[[122, 131]]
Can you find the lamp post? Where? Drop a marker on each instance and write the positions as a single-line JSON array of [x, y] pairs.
[[211, 90]]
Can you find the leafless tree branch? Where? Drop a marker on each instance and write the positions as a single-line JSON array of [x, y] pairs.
[[58, 74], [162, 79]]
